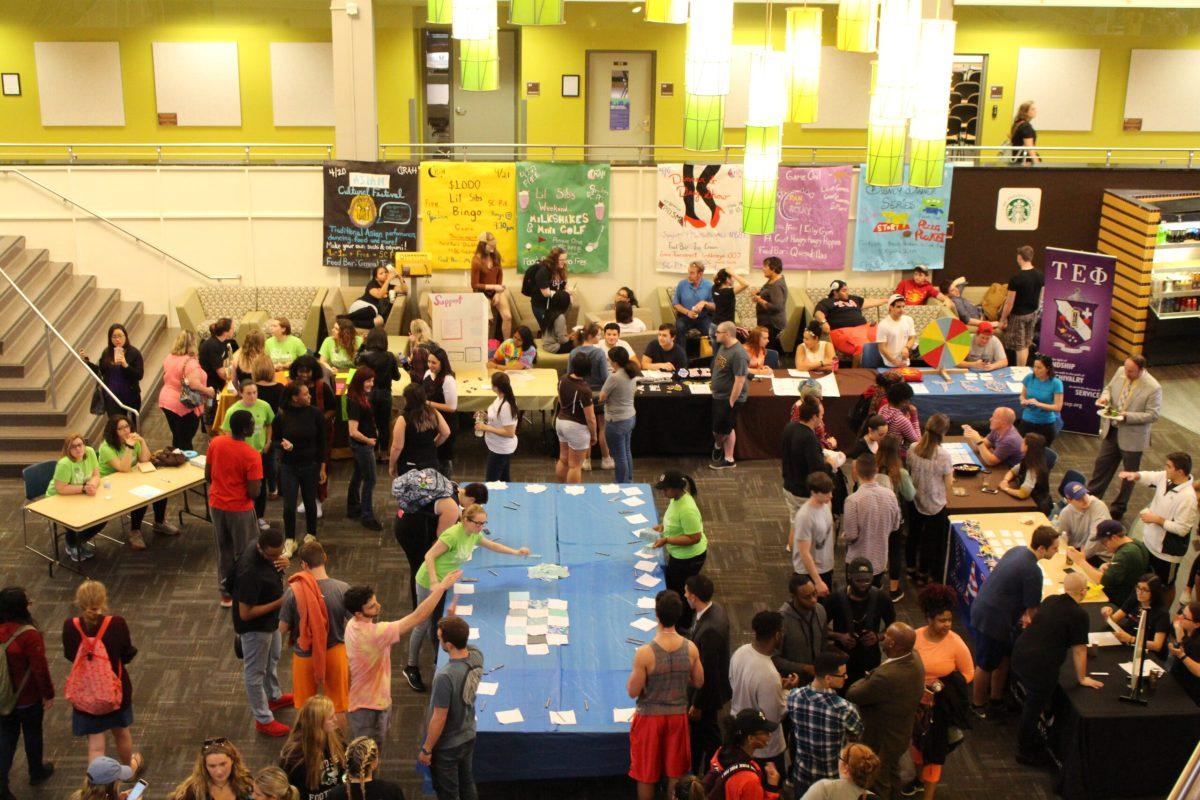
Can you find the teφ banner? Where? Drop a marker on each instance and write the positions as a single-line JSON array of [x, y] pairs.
[[1075, 316]]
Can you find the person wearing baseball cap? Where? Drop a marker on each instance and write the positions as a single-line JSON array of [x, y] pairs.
[[1079, 519], [952, 296], [1130, 561], [896, 334], [858, 634], [741, 775], [986, 353], [917, 290], [840, 315], [681, 532], [106, 771]]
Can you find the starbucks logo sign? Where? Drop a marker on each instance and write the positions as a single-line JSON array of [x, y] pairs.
[[1017, 209]]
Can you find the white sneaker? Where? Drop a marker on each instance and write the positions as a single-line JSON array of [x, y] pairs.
[[587, 465], [289, 548], [308, 537], [263, 525], [607, 463], [300, 507], [320, 511]]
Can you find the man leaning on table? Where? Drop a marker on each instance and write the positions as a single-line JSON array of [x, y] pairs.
[[986, 353], [1002, 445], [1128, 561], [1129, 405]]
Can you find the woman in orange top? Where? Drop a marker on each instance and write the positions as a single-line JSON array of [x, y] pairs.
[[756, 348], [487, 276], [944, 654]]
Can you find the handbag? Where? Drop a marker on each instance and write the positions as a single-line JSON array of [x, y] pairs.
[[1173, 544], [189, 397]]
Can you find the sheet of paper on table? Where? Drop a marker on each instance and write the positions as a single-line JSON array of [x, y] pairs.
[[555, 602], [699, 388], [557, 638], [509, 717], [645, 566], [785, 387], [1103, 639], [655, 375], [1019, 373], [575, 489], [623, 714], [919, 388], [473, 633], [636, 519], [464, 588], [648, 580], [515, 641], [971, 376], [829, 386], [797, 373], [562, 717], [645, 602], [464, 611], [537, 649], [496, 486], [631, 491], [487, 687], [644, 624], [1016, 386], [633, 502], [534, 488], [145, 491], [609, 488], [1148, 668]]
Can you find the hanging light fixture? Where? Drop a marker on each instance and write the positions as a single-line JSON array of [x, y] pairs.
[[535, 12], [706, 73], [674, 12], [473, 19], [856, 24], [804, 63], [703, 122], [479, 64], [438, 12], [892, 91], [935, 62], [764, 138]]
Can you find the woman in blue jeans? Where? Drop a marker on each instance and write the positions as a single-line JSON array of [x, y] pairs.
[[363, 437], [619, 417]]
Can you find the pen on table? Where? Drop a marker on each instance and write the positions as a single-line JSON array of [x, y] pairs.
[[601, 554], [493, 669], [547, 703], [585, 705], [497, 574]]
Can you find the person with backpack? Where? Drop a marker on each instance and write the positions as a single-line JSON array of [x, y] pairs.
[[99, 647], [733, 773], [543, 280], [448, 746], [26, 689]]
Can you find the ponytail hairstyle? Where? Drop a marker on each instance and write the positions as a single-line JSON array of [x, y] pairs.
[[91, 598], [935, 431], [220, 327], [503, 384], [862, 764], [620, 356], [362, 759], [273, 783]]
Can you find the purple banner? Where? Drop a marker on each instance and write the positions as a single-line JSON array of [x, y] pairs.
[[1075, 316], [813, 212]]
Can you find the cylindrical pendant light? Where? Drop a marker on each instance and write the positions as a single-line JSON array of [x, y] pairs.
[[935, 62], [674, 12], [703, 122], [760, 179], [885, 137], [535, 12], [767, 102], [479, 64], [709, 47], [804, 63], [439, 12], [899, 37], [856, 23], [474, 19]]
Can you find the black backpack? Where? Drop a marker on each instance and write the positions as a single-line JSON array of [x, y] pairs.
[[529, 282]]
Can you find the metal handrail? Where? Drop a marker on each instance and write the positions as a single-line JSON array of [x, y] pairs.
[[123, 230], [50, 329]]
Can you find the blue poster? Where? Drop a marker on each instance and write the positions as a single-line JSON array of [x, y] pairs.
[[899, 226]]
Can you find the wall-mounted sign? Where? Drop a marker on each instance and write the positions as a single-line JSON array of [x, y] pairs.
[[1017, 209], [533, 88], [995, 93], [666, 89]]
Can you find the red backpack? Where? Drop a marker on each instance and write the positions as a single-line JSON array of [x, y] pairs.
[[92, 686]]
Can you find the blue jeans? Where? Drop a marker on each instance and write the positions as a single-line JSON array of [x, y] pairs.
[[702, 323], [497, 466], [260, 658], [620, 435], [362, 480], [450, 772]]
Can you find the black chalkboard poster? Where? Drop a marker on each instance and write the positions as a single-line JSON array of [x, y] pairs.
[[370, 212]]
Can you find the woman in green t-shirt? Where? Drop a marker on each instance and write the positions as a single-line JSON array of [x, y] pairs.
[[282, 347], [341, 345], [77, 472], [682, 532], [121, 451], [451, 550]]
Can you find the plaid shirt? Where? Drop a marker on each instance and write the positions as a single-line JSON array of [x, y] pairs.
[[821, 721]]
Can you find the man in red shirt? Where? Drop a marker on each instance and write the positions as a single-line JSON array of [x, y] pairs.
[[233, 470], [917, 289]]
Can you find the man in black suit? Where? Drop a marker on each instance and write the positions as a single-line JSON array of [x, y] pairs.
[[710, 634]]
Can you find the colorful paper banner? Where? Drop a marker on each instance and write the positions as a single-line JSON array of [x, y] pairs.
[[811, 219], [1076, 309], [458, 201], [899, 226], [563, 205], [700, 218], [370, 212]]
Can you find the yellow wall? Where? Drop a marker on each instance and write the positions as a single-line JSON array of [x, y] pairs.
[[545, 54]]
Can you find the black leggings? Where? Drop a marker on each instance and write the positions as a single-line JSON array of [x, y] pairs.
[[930, 533], [299, 479], [381, 406], [676, 573], [415, 532], [138, 514], [183, 428], [693, 188], [1046, 429]]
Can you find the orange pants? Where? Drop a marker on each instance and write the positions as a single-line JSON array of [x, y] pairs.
[[930, 773], [337, 678]]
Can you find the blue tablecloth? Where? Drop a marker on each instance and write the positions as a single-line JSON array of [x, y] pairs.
[[961, 404], [968, 571], [602, 595]]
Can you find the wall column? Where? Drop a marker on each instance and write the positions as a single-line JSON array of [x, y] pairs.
[[356, 131]]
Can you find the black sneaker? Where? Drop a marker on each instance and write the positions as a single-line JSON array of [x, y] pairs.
[[722, 464], [979, 712], [718, 454], [413, 676], [897, 595], [912, 788], [372, 524], [42, 775]]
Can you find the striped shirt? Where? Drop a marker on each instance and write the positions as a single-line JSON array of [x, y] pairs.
[[905, 426], [870, 515], [821, 721]]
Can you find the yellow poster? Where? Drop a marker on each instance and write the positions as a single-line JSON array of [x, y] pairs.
[[458, 201]]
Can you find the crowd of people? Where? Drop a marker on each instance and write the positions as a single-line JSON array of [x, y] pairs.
[[827, 699]]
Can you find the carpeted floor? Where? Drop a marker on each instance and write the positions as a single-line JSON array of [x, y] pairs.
[[187, 682]]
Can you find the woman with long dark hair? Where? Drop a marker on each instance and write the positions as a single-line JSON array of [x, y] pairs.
[[121, 451], [441, 391], [487, 277], [1022, 135], [519, 352], [932, 473], [341, 345], [550, 277], [1041, 400], [575, 425], [416, 434], [375, 354], [619, 415], [270, 391], [378, 298], [299, 433], [253, 346], [1149, 595], [363, 435], [726, 287], [1030, 478], [555, 338], [30, 676], [681, 532], [121, 368], [215, 354], [309, 371], [500, 429], [814, 354]]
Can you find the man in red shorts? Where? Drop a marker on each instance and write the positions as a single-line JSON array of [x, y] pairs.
[[840, 315], [662, 672]]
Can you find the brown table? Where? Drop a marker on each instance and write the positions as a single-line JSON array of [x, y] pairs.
[[976, 501]]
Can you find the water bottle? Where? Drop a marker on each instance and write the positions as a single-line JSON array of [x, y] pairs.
[[107, 489], [480, 417]]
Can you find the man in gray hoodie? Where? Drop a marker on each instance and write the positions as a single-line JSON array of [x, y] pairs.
[[804, 625]]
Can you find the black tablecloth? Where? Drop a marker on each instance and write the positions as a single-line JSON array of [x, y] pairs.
[[1110, 748]]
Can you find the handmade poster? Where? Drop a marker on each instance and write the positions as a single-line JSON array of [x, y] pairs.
[[899, 226], [370, 212], [1076, 309], [618, 101], [700, 218], [811, 219], [563, 205], [460, 323], [458, 201]]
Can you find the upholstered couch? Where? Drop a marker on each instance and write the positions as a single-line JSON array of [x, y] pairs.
[[637, 341], [922, 315], [252, 306], [339, 299]]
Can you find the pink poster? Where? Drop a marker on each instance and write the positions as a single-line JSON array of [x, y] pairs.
[[813, 214]]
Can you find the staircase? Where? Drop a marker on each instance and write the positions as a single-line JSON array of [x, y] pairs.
[[34, 420]]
